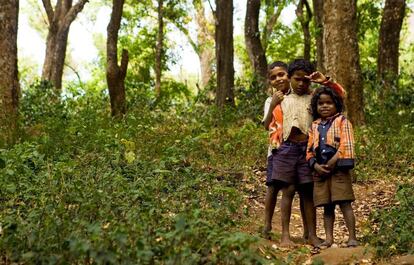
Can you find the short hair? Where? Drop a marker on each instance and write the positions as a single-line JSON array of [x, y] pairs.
[[300, 64], [277, 64], [323, 90]]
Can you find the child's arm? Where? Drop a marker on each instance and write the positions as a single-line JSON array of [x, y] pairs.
[[318, 77], [346, 158], [276, 99]]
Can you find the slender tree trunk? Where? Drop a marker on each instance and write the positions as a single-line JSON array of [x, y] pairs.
[[273, 9], [224, 52], [304, 21], [205, 40], [342, 54], [318, 19], [388, 45], [9, 83], [59, 20], [115, 75], [254, 47], [159, 48]]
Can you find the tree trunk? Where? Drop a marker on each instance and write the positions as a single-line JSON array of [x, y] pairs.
[[59, 20], [318, 19], [304, 21], [254, 47], [224, 52], [205, 40], [115, 75], [159, 49], [342, 54], [9, 83], [388, 45]]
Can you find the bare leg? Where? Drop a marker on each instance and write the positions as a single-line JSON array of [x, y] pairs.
[[328, 221], [302, 213], [270, 203], [310, 213], [286, 209], [349, 217]]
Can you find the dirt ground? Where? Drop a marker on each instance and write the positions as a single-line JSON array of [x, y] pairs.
[[370, 195]]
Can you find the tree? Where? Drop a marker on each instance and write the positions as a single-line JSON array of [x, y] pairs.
[[254, 47], [9, 83], [304, 21], [159, 48], [342, 54], [224, 52], [273, 9], [60, 18], [318, 19], [388, 45], [115, 75], [203, 44]]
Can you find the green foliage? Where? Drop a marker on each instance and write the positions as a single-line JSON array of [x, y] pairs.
[[392, 233], [369, 20], [385, 146], [160, 186], [285, 43]]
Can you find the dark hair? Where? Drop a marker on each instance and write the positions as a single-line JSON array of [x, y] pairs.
[[300, 64], [277, 64], [338, 101]]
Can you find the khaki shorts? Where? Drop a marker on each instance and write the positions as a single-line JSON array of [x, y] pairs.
[[333, 189]]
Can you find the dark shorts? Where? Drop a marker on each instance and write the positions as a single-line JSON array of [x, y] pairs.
[[269, 180], [290, 165], [333, 189]]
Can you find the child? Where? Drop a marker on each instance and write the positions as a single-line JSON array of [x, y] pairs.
[[330, 153], [279, 85]]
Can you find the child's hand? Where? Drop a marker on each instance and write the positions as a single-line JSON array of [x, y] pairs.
[[317, 77], [277, 98], [332, 162], [322, 169]]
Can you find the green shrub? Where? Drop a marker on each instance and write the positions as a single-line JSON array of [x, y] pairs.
[[392, 228]]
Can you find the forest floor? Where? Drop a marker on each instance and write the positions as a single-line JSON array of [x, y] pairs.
[[370, 195]]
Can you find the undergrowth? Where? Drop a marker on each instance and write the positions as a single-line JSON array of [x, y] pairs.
[[165, 184]]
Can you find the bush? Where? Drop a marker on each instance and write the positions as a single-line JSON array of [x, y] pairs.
[[392, 228], [155, 187]]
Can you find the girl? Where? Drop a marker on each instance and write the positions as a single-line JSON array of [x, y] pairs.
[[331, 154]]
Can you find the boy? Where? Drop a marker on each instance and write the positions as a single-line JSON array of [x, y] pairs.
[[279, 85]]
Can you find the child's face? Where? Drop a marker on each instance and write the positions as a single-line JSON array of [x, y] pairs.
[[278, 79], [299, 83], [326, 106]]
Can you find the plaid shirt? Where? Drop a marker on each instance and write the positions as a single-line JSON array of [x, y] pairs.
[[340, 136]]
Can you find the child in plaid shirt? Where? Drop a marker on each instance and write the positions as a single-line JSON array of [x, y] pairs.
[[331, 154]]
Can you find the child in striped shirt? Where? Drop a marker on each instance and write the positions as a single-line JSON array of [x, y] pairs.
[[330, 153]]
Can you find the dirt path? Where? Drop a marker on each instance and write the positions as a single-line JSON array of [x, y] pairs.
[[370, 195]]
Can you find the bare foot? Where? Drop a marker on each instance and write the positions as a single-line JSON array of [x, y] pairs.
[[266, 233], [287, 243], [315, 241], [352, 243], [325, 244]]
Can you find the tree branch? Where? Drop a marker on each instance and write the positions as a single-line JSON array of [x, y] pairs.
[[49, 10], [185, 31], [72, 13], [270, 24]]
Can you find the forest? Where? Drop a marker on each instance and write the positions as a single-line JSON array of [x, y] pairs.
[[126, 163]]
